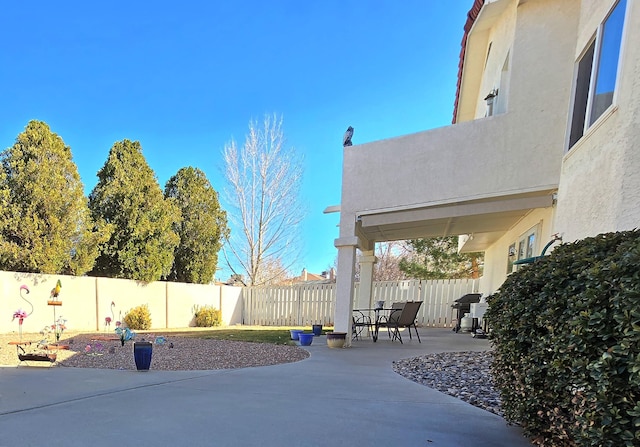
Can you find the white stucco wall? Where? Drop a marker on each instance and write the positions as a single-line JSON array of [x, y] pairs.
[[600, 182]]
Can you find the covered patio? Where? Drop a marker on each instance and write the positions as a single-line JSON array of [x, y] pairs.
[[438, 194], [490, 177]]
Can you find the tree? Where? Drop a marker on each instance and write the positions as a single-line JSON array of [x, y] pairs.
[[201, 229], [128, 197], [45, 224], [264, 186], [389, 254], [438, 258]]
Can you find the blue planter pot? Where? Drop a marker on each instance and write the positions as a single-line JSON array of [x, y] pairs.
[[317, 329], [305, 338], [142, 351], [295, 333]]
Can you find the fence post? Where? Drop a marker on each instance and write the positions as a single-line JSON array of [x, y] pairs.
[[299, 301]]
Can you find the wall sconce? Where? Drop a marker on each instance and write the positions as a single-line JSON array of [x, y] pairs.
[[490, 98]]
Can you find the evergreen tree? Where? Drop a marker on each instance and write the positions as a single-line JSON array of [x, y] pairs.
[[129, 198], [438, 258], [202, 228], [45, 225]]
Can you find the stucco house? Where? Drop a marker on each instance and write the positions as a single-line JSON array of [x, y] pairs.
[[545, 139], [326, 277]]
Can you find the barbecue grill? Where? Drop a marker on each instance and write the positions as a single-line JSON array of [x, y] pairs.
[[463, 305]]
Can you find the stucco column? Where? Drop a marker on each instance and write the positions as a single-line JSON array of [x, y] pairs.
[[367, 261], [344, 284]]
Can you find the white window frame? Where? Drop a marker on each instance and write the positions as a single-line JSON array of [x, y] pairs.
[[530, 250], [596, 40]]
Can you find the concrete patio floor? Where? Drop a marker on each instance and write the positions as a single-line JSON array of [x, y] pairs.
[[340, 397]]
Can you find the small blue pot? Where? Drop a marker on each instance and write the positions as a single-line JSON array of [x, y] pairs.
[[295, 333], [305, 338], [317, 329]]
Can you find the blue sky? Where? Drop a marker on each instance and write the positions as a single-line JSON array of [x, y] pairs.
[[184, 78]]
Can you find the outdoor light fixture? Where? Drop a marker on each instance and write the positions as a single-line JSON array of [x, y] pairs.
[[490, 99]]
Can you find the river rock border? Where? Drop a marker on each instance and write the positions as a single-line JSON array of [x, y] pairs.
[[464, 375]]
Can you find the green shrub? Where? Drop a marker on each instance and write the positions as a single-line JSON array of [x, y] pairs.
[[566, 334], [138, 318], [206, 316]]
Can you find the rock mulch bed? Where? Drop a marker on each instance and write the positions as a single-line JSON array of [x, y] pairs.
[[464, 375], [176, 353]]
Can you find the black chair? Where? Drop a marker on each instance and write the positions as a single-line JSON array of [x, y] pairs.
[[401, 318], [360, 321]]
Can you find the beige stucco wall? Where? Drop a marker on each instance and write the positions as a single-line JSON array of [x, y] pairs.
[[462, 162], [496, 257], [83, 312], [128, 294], [525, 148], [501, 37], [515, 152], [600, 187], [86, 301]]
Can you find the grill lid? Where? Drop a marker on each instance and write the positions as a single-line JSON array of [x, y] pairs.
[[467, 299]]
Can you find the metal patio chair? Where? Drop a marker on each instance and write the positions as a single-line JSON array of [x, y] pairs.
[[401, 318], [360, 322]]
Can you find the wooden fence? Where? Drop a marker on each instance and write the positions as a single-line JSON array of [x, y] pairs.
[[297, 305], [306, 304]]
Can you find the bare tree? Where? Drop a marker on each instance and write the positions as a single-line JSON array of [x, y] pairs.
[[388, 255], [263, 179], [388, 266]]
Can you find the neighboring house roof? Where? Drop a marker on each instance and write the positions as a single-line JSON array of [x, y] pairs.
[[324, 277], [309, 277], [472, 15]]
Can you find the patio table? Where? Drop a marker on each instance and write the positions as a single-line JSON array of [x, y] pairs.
[[379, 314]]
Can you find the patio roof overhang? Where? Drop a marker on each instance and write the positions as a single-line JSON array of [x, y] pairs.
[[486, 219]]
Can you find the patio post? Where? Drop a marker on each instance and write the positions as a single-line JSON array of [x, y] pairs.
[[345, 284], [365, 297]]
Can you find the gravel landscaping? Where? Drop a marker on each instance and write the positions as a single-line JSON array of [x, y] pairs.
[[176, 353], [464, 375]]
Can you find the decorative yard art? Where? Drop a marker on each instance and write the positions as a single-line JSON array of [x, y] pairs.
[[21, 314]]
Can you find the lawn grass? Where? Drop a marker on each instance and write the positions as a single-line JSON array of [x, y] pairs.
[[275, 335]]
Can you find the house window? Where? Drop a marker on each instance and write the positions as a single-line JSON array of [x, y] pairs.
[[596, 74], [511, 258], [525, 247]]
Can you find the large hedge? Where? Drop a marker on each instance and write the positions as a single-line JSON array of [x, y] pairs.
[[566, 333]]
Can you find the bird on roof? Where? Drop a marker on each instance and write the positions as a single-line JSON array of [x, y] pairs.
[[346, 141]]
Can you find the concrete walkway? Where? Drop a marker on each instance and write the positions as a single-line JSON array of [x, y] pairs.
[[337, 397]]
